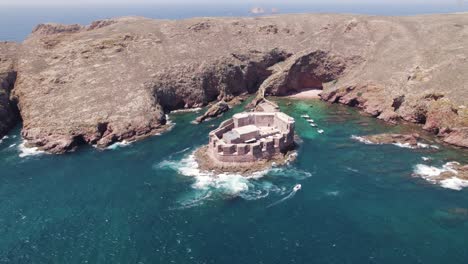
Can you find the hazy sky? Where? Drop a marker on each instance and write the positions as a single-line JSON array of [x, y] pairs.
[[216, 2]]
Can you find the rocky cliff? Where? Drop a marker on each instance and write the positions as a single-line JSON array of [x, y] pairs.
[[8, 111], [115, 79]]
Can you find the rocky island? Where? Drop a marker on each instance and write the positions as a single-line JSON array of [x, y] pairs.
[[116, 79], [248, 142]]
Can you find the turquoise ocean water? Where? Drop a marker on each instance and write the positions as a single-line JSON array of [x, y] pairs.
[[147, 203]]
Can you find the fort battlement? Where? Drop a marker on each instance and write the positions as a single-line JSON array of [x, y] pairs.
[[252, 136]]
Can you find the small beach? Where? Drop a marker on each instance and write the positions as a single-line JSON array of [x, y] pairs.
[[307, 94]]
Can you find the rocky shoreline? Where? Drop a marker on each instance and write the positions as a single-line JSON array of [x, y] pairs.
[[116, 79], [433, 112]]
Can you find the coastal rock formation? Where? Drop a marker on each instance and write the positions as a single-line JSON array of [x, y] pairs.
[[8, 112], [452, 175], [115, 79], [215, 110], [410, 140]]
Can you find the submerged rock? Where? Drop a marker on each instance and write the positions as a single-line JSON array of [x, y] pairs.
[[407, 140]]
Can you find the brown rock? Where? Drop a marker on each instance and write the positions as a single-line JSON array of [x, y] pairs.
[[458, 137], [128, 72], [407, 139], [214, 111], [8, 112]]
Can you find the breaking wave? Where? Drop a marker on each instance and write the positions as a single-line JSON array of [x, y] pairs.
[[401, 145], [432, 173], [1, 139], [211, 186], [362, 140], [187, 110], [28, 151], [419, 145], [120, 144]]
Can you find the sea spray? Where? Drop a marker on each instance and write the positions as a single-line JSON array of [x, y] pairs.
[[431, 174], [28, 151], [227, 185], [419, 145], [187, 110], [362, 140], [120, 144], [196, 200]]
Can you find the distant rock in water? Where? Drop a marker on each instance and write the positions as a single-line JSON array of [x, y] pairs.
[[115, 79], [402, 140]]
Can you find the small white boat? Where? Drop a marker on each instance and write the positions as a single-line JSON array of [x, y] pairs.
[[305, 116], [310, 120], [320, 131], [297, 187], [313, 125]]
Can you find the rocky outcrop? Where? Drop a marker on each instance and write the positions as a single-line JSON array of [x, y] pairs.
[[408, 140], [214, 111], [458, 137], [115, 79], [8, 111]]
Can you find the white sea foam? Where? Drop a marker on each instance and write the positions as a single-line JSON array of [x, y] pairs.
[[290, 172], [120, 144], [362, 140], [180, 151], [289, 196], [1, 139], [401, 145], [187, 110], [194, 201], [26, 151], [169, 121], [227, 185], [454, 183], [418, 145], [430, 173]]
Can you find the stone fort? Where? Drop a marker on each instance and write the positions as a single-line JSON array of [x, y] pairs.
[[252, 136]]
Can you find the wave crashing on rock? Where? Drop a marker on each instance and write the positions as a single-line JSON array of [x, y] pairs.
[[209, 185], [451, 175]]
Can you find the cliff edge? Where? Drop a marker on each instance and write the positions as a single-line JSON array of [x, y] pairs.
[[115, 79], [8, 111]]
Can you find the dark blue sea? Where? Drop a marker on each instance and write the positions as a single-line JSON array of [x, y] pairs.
[[146, 202]]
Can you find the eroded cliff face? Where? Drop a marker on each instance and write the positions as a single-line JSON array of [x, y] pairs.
[[116, 79], [8, 111]]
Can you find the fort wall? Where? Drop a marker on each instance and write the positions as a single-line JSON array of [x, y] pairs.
[[276, 136]]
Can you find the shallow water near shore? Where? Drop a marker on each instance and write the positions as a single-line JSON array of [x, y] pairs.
[[146, 202]]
